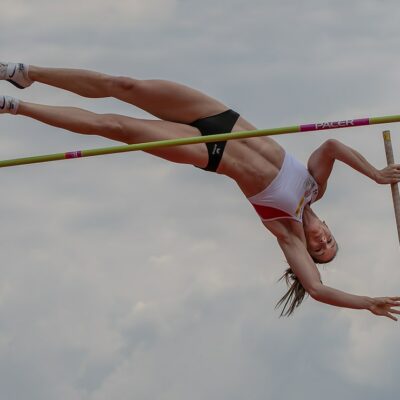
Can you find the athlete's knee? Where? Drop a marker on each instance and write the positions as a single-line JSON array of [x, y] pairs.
[[107, 124], [124, 83]]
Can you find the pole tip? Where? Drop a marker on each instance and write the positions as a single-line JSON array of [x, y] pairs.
[[386, 135]]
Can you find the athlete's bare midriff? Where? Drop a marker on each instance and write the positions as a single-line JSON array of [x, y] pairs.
[[254, 162]]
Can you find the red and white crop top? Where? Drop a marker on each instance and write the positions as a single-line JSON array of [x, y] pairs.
[[287, 195]]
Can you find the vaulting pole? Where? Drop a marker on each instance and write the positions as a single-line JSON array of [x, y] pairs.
[[349, 123], [395, 188]]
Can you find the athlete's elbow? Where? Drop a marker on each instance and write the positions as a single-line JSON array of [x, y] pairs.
[[331, 146], [315, 291]]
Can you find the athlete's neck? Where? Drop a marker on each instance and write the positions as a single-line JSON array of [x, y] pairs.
[[308, 215]]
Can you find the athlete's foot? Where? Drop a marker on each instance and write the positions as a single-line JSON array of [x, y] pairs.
[[15, 73], [8, 105]]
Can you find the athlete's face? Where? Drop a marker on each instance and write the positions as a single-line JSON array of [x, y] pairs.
[[321, 244]]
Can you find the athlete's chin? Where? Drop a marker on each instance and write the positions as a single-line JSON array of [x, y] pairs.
[[315, 228], [313, 231]]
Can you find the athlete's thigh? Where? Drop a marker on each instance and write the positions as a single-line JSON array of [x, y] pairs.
[[172, 101], [142, 130]]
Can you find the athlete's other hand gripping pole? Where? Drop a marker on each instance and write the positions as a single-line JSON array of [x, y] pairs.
[[394, 186]]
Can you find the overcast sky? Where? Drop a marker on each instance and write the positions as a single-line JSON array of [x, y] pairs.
[[127, 277]]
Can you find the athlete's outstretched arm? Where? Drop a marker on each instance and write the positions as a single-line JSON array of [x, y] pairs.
[[306, 271], [321, 162]]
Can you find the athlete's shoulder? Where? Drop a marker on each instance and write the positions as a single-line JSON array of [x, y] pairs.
[[286, 229]]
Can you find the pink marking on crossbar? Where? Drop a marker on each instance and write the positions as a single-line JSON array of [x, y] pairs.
[[73, 154], [334, 125]]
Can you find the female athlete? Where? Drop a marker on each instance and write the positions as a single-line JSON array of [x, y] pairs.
[[280, 188]]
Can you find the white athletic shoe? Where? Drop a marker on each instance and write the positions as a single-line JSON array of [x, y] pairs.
[[8, 105], [15, 73]]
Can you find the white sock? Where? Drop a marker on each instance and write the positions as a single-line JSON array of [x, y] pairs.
[[16, 73], [8, 104]]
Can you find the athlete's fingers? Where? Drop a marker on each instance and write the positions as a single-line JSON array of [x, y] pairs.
[[392, 302], [390, 316]]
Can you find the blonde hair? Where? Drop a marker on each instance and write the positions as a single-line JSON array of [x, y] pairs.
[[294, 296]]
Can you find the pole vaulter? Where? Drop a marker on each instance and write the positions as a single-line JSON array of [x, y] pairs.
[[280, 188]]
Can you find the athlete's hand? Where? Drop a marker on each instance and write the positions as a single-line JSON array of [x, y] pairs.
[[384, 306], [389, 174]]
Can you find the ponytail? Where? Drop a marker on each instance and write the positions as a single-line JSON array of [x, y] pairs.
[[294, 296]]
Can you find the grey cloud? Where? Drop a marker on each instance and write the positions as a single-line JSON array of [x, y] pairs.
[[125, 276]]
